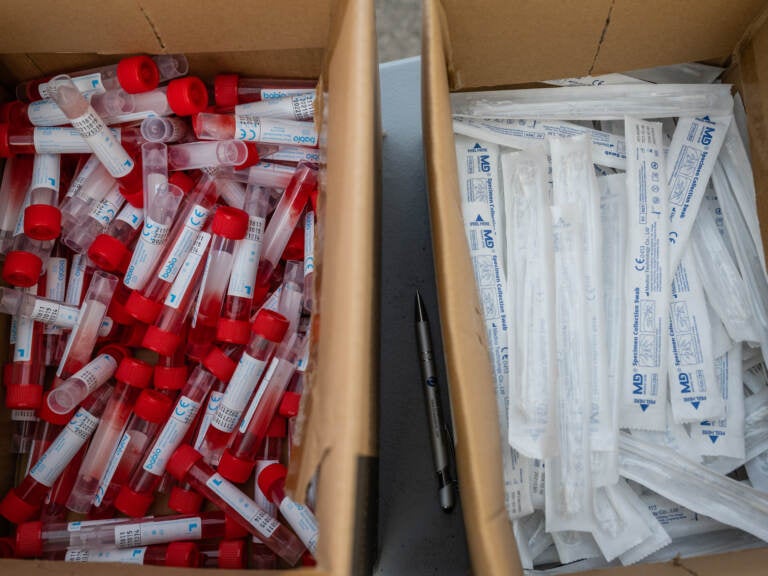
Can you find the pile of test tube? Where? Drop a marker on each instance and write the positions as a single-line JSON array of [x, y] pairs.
[[612, 225], [158, 242]]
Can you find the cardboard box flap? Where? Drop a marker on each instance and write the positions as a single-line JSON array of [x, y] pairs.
[[338, 426], [750, 75], [658, 32], [473, 402], [581, 37], [125, 26]]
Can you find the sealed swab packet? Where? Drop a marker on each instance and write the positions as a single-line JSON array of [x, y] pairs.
[[677, 520], [644, 386], [574, 182], [568, 485], [618, 526], [693, 391], [529, 275], [724, 436], [612, 102], [607, 149], [479, 181], [690, 161], [692, 485]]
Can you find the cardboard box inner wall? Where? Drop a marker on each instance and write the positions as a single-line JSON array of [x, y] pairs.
[[334, 40], [502, 43]]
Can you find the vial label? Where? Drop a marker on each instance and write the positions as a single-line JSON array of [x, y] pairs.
[[259, 394], [23, 416], [51, 464], [264, 524], [303, 522], [146, 253], [172, 435], [210, 410], [122, 556], [106, 210], [85, 172], [55, 285], [46, 170], [61, 315], [309, 243], [246, 261], [103, 143], [97, 372], [275, 131], [131, 215], [239, 390], [63, 140], [76, 279], [269, 93], [187, 272], [88, 85], [158, 532], [109, 472], [45, 113], [196, 219]]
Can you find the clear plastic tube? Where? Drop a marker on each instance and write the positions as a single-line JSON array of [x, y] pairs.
[[163, 336], [90, 125], [38, 538], [262, 174], [137, 495], [238, 460], [110, 250], [309, 260], [161, 204], [291, 107], [253, 129], [166, 130], [229, 226], [290, 304], [196, 155], [231, 89], [150, 412], [25, 374], [187, 465], [269, 330], [86, 190], [233, 326], [132, 377], [67, 395], [83, 336], [22, 502], [42, 218], [284, 219], [80, 237], [145, 303], [177, 554], [272, 482], [17, 175], [134, 74]]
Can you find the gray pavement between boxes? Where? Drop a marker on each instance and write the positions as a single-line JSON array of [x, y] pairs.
[[415, 536]]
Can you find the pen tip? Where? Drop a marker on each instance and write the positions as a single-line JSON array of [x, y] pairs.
[[420, 310]]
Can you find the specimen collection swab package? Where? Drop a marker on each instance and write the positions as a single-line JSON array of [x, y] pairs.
[[613, 231]]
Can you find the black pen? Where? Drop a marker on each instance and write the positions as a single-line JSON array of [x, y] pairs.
[[438, 433]]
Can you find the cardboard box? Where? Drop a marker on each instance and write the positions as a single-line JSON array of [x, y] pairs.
[[502, 43], [334, 40]]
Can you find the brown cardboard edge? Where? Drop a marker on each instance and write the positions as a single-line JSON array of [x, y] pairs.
[[489, 531], [490, 538], [339, 435]]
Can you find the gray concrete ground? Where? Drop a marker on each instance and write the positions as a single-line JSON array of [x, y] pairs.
[[398, 24]]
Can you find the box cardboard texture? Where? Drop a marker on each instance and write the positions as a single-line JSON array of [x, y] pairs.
[[501, 43], [334, 40]]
